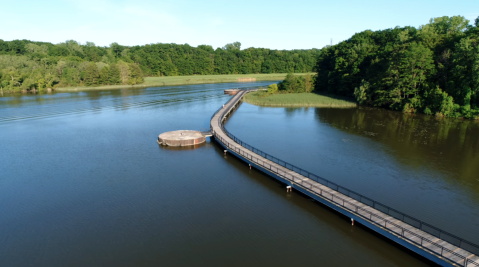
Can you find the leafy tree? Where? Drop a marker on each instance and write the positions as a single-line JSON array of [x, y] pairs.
[[33, 48], [136, 75], [293, 84], [465, 83], [272, 88], [104, 75], [361, 92], [433, 69], [308, 83], [124, 69], [232, 46], [116, 49], [115, 74], [91, 74]]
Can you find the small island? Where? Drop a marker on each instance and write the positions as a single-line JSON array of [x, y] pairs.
[[296, 91], [298, 100]]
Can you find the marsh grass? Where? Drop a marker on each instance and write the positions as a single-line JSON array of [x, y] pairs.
[[181, 80], [298, 100], [196, 79]]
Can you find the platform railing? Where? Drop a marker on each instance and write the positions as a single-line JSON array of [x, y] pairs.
[[426, 243]]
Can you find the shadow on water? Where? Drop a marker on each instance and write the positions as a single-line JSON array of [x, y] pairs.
[[420, 165], [182, 148], [450, 145], [323, 214]]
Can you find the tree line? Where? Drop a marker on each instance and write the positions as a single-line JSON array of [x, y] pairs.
[[432, 69], [27, 65]]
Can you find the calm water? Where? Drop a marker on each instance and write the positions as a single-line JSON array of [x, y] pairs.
[[418, 164], [84, 183]]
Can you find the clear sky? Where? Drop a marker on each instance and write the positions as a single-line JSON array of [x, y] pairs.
[[299, 24]]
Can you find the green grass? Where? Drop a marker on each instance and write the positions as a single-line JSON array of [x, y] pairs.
[[181, 80], [298, 100]]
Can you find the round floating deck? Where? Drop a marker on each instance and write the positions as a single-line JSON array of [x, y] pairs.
[[181, 138], [231, 91]]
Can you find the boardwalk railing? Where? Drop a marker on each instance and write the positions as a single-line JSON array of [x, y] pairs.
[[426, 243]]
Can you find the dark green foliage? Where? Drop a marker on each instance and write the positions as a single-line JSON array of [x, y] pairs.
[[70, 63], [296, 84], [292, 84], [173, 59], [433, 69], [233, 46]]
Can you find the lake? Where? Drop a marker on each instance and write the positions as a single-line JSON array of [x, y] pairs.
[[83, 181]]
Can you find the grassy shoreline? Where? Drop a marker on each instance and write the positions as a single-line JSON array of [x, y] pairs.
[[298, 100], [183, 80]]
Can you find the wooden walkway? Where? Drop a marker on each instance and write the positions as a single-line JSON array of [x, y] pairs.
[[427, 245]]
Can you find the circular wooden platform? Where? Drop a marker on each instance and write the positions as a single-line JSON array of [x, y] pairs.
[[181, 138], [231, 91]]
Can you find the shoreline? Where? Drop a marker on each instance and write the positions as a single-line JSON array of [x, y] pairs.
[[185, 80], [314, 100]]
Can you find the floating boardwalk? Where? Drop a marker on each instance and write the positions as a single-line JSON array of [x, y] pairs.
[[428, 241]]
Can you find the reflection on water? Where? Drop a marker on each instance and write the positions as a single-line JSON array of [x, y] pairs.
[[449, 146], [20, 107], [83, 182], [421, 165]]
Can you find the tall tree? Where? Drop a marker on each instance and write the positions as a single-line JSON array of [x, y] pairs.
[[91, 74], [104, 75], [115, 74]]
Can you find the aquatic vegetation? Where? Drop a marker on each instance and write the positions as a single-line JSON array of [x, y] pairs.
[[262, 98]]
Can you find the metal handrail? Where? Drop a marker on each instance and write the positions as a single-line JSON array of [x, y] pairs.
[[457, 241]]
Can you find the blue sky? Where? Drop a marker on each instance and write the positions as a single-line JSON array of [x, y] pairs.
[[298, 24]]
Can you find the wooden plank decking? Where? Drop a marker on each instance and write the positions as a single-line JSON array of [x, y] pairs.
[[446, 252]]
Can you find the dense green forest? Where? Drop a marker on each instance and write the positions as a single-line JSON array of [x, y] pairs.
[[433, 69], [28, 66]]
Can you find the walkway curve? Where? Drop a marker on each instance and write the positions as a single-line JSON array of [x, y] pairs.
[[433, 243]]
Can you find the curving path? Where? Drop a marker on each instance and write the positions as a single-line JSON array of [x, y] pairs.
[[438, 246]]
